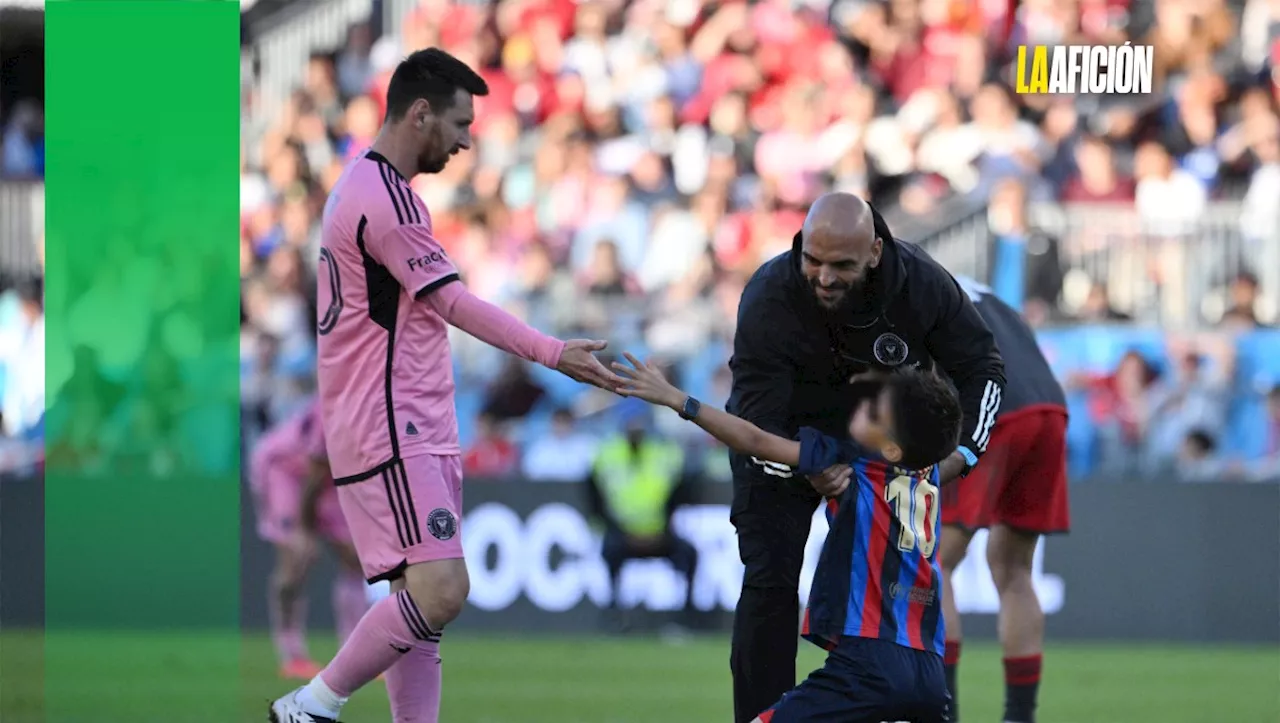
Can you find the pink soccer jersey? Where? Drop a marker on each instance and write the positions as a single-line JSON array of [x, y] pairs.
[[385, 369], [291, 446]]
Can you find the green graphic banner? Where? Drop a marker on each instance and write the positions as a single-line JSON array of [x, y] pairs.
[[142, 488]]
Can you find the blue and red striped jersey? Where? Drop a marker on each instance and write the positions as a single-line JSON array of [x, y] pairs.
[[878, 575]]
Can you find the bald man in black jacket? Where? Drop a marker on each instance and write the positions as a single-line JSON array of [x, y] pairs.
[[847, 301]]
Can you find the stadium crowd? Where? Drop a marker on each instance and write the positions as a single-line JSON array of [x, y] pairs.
[[22, 351], [636, 161], [22, 159]]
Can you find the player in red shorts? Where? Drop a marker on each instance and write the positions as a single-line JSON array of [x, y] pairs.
[[1018, 492], [387, 294], [297, 508]]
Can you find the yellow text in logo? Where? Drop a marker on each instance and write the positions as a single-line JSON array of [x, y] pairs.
[[1084, 69]]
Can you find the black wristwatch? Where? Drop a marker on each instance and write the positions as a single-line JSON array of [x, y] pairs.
[[691, 408]]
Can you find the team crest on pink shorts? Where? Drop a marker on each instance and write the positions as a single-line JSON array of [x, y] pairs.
[[442, 524]]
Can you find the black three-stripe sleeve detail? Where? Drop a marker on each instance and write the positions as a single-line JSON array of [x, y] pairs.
[[385, 172], [394, 508], [411, 211], [415, 530], [401, 503]]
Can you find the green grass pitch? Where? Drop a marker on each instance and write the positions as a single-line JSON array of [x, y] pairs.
[[201, 678]]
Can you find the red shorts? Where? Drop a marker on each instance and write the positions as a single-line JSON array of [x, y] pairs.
[[277, 497], [1021, 481], [405, 513]]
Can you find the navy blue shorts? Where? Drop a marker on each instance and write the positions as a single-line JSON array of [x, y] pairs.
[[866, 680]]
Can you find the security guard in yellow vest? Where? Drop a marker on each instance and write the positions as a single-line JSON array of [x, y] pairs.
[[636, 484]]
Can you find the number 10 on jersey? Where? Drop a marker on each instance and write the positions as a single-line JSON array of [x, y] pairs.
[[917, 513]]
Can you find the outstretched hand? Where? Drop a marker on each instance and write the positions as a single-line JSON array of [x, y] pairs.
[[645, 381], [579, 363], [832, 481]]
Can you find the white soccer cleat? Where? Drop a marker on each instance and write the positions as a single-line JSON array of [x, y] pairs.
[[287, 710]]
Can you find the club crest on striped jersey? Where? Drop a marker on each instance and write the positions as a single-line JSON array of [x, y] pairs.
[[442, 524], [890, 349]]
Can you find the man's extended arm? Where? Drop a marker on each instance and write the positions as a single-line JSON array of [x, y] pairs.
[[415, 259], [490, 324], [966, 350]]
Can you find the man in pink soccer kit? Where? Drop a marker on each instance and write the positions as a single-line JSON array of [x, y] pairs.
[[297, 507], [387, 293]]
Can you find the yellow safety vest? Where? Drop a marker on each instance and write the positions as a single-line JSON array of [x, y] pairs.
[[636, 486]]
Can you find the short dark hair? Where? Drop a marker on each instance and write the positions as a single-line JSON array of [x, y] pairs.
[[434, 75], [1246, 277], [31, 289], [1202, 441], [926, 417]]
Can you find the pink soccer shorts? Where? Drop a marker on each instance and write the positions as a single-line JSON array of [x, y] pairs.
[[277, 497], [406, 512]]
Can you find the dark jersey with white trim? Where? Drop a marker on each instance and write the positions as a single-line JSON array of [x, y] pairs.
[[1031, 381]]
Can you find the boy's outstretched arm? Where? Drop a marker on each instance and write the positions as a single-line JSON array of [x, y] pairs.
[[647, 383]]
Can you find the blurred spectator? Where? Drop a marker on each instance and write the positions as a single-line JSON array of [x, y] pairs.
[[1194, 396], [514, 393], [22, 145], [604, 278], [1192, 138], [355, 68], [1097, 307], [1242, 299], [1188, 35], [1026, 263], [256, 386], [1260, 33], [1120, 406], [565, 454], [634, 488], [1169, 199], [1268, 467], [1197, 460], [492, 454], [1097, 179], [685, 317], [1009, 146], [1261, 217], [612, 216], [547, 291], [22, 360]]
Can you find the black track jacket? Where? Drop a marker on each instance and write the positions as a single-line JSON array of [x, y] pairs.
[[792, 359]]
